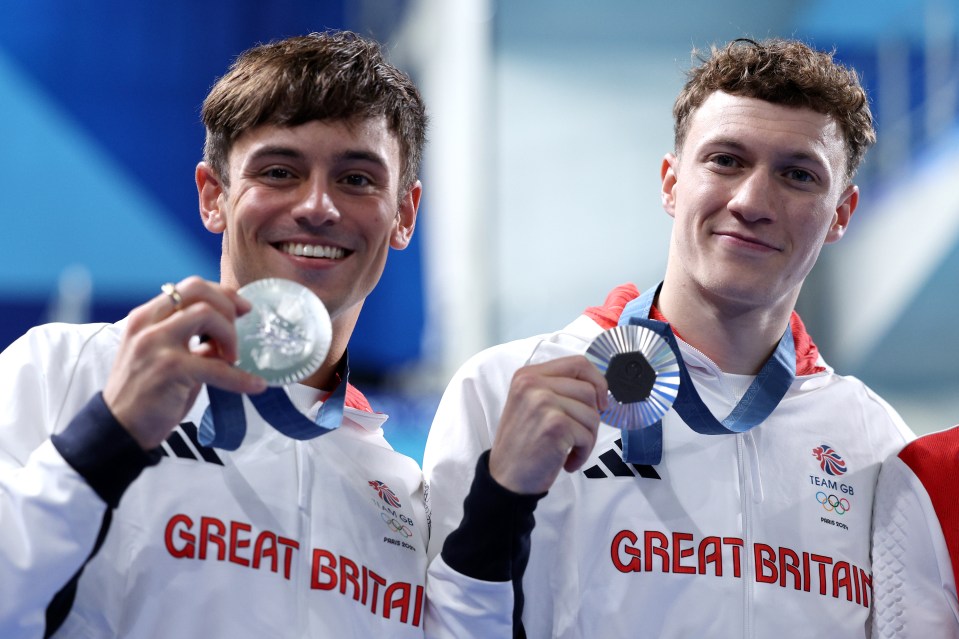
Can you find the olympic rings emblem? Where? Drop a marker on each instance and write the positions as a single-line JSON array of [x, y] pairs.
[[396, 526], [832, 503]]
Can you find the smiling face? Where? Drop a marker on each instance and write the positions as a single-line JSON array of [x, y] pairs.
[[317, 203], [756, 192]]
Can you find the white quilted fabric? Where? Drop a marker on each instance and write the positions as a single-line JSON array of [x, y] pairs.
[[914, 591]]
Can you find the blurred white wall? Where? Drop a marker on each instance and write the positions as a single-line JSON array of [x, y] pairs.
[[578, 153]]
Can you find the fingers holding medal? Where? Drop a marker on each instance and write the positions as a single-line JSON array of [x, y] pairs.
[[549, 423], [628, 379], [274, 328], [172, 345]]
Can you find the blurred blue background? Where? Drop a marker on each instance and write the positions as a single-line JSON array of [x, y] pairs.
[[549, 120]]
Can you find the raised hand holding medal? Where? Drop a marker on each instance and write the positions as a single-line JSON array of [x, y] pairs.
[[160, 366], [284, 338], [627, 379]]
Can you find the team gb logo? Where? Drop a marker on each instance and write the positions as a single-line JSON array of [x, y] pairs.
[[829, 460], [385, 493]]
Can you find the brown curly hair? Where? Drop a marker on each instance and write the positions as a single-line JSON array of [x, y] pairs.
[[336, 75], [786, 72]]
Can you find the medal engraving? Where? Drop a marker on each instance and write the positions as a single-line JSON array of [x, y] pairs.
[[630, 377], [287, 334]]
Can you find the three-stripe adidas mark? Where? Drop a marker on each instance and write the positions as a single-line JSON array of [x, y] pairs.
[[612, 460], [183, 443]]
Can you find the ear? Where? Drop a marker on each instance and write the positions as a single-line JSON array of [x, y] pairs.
[[848, 202], [405, 220], [667, 175], [210, 189]]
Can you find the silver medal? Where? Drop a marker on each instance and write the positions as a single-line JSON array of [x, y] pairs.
[[287, 334], [641, 371]]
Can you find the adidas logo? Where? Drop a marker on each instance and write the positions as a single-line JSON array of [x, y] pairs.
[[612, 460], [183, 443]]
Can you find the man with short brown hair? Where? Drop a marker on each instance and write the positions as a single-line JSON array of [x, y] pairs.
[[149, 487], [744, 510]]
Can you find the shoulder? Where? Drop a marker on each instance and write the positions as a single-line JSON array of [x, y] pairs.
[[46, 376], [924, 471], [56, 358], [499, 359], [933, 460], [504, 359], [851, 397], [59, 351], [58, 339], [934, 456]]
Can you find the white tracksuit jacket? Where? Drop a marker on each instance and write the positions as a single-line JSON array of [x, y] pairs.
[[915, 553], [280, 538], [761, 535]]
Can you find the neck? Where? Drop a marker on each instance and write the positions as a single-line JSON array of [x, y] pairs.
[[343, 324], [738, 338]]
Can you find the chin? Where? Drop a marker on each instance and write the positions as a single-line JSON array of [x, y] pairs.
[[743, 290]]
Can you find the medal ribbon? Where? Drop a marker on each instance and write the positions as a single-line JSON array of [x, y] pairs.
[[224, 422], [645, 445]]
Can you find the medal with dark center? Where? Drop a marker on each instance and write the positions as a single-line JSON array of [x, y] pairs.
[[641, 371]]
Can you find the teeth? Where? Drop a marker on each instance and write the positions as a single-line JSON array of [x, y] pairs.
[[313, 250]]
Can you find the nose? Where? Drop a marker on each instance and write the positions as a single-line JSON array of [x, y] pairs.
[[314, 206], [753, 199]]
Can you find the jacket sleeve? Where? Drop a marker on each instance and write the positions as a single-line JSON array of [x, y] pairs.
[[914, 589], [488, 549], [55, 487], [479, 536]]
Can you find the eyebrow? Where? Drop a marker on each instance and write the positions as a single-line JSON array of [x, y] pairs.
[[361, 155], [275, 150], [348, 155]]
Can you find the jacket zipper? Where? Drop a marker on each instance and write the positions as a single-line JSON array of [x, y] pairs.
[[747, 541]]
